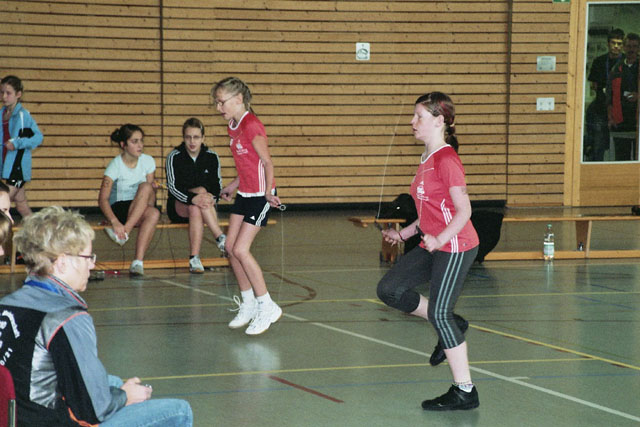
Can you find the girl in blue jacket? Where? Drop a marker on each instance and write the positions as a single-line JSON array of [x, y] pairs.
[[19, 135]]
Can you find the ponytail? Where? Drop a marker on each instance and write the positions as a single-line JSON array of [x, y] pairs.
[[451, 137]]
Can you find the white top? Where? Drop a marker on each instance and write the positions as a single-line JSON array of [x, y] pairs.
[[125, 179]]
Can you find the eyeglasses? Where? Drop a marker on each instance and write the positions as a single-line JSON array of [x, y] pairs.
[[91, 257], [221, 103]]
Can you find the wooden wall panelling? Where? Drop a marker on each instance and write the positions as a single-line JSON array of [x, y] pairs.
[[331, 120], [334, 124], [536, 150], [187, 56], [87, 69]]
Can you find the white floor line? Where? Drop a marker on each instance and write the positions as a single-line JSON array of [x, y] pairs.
[[191, 288], [421, 353]]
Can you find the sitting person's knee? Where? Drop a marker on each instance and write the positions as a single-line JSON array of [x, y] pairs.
[[152, 214], [181, 410], [145, 189], [194, 211]]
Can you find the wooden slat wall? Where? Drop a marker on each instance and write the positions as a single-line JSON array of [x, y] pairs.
[[338, 128], [536, 150], [87, 69], [332, 120]]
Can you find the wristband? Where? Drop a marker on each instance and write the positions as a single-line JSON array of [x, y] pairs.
[[401, 238]]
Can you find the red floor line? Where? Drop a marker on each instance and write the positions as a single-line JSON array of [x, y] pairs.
[[308, 390]]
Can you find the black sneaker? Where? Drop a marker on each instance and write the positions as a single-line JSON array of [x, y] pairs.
[[453, 400], [438, 356]]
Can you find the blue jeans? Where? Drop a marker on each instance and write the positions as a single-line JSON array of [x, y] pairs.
[[153, 412]]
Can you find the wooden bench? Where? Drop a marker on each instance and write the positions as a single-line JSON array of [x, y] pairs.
[[148, 263], [388, 253], [584, 226]]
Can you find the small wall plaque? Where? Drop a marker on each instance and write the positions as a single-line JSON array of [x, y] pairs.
[[363, 51], [546, 63]]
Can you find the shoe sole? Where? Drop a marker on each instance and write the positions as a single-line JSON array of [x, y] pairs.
[[465, 407], [196, 271], [239, 326]]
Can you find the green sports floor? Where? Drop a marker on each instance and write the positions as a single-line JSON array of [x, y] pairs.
[[550, 344]]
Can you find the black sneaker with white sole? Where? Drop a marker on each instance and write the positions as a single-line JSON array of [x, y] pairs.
[[453, 400]]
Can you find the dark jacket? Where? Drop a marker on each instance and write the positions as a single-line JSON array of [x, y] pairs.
[[184, 173], [48, 343]]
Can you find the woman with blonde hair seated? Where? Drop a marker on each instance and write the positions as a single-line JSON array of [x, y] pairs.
[[49, 341]]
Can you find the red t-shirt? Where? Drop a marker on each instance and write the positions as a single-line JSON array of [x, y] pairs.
[[430, 191], [248, 164], [5, 138]]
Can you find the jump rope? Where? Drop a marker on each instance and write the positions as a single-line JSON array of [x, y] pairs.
[[384, 171]]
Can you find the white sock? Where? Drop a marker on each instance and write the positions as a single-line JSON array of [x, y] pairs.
[[465, 387], [247, 296], [266, 298]]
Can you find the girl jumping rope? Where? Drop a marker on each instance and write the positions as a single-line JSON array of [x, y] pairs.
[[256, 193], [448, 247]]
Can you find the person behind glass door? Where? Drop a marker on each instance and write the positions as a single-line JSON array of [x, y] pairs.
[[596, 118], [622, 99]]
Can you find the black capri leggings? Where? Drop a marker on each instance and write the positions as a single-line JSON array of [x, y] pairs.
[[445, 272]]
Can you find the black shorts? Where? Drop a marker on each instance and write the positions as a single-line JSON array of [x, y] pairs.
[[173, 215], [121, 210], [254, 209], [15, 183]]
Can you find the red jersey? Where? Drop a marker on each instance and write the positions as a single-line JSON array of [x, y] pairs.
[[5, 138], [430, 191], [248, 164]]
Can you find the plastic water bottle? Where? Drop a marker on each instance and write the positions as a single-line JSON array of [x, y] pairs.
[[548, 250]]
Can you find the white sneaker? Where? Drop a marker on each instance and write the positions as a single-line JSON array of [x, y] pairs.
[[220, 242], [137, 268], [246, 312], [195, 265], [268, 313], [112, 236]]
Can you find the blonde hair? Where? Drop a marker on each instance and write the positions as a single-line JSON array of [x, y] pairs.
[[5, 227], [234, 86], [49, 233]]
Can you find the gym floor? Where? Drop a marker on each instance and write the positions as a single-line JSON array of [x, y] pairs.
[[549, 343]]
